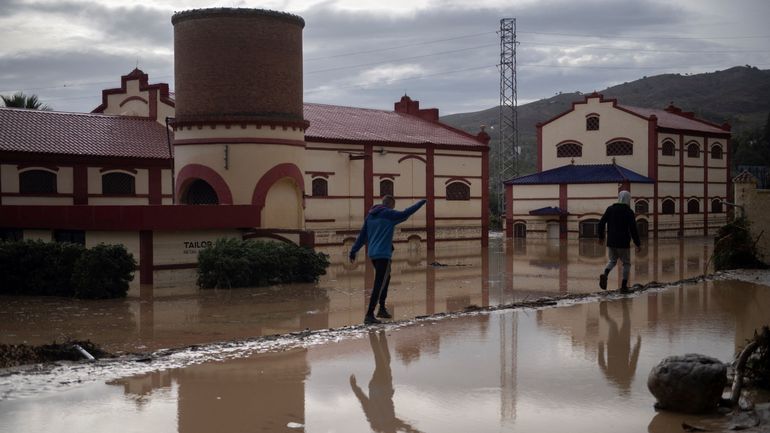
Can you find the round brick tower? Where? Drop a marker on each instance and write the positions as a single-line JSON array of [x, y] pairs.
[[239, 126]]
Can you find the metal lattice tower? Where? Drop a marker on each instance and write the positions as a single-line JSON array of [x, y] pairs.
[[508, 147]]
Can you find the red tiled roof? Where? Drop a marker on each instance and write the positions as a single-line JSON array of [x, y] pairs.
[[81, 134], [364, 125], [674, 121]]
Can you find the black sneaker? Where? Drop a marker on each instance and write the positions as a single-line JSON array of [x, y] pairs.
[[383, 313], [371, 320], [624, 287], [603, 281]]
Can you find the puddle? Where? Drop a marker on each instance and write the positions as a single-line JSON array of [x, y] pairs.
[[174, 313], [581, 367]]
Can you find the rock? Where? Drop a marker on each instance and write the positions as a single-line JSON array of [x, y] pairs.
[[691, 383]]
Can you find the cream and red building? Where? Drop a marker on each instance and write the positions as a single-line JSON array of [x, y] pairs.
[[233, 152], [676, 166]]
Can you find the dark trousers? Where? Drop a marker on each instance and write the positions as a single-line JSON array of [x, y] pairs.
[[381, 282]]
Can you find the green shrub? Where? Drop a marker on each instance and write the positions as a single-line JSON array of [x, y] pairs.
[[48, 269], [103, 271], [735, 248], [243, 263]]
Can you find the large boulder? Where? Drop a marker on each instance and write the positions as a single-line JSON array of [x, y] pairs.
[[691, 383]]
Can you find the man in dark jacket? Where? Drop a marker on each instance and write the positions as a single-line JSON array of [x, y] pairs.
[[621, 228], [377, 232]]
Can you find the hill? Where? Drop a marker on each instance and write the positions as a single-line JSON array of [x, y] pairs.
[[739, 96]]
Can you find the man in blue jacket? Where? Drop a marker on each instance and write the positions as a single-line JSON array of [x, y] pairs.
[[621, 229], [377, 232]]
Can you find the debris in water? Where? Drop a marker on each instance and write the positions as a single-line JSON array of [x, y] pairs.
[[295, 425]]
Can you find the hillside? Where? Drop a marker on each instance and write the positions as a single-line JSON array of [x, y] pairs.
[[739, 96]]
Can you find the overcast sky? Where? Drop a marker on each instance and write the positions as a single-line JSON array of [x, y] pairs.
[[367, 53]]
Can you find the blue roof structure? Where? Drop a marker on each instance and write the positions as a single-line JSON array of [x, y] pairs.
[[595, 173], [550, 210]]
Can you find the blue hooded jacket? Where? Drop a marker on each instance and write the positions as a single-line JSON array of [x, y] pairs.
[[378, 228]]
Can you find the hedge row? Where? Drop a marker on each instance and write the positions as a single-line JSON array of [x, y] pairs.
[[242, 263], [63, 269]]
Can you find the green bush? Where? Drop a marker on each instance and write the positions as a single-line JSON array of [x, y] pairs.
[[48, 269], [735, 248], [103, 271], [242, 263]]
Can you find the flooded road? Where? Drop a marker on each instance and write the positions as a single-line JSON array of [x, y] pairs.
[[576, 368], [175, 313]]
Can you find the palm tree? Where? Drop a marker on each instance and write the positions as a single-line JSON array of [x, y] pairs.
[[20, 100]]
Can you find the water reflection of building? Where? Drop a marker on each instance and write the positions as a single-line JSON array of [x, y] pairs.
[[547, 266], [233, 395], [610, 331]]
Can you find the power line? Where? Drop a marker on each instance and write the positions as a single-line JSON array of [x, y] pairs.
[[354, 53], [649, 37], [397, 59], [648, 50]]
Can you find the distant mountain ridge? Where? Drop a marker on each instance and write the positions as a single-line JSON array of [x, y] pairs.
[[739, 96]]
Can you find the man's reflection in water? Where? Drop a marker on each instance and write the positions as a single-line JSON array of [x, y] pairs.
[[378, 406], [620, 364]]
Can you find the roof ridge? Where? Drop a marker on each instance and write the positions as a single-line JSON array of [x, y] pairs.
[[74, 113]]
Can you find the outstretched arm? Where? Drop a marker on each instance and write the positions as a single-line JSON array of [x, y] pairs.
[[403, 215]]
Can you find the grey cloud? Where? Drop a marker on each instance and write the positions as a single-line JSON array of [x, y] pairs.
[[73, 81]]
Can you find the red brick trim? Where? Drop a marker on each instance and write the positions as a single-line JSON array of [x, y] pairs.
[[404, 158], [457, 179], [458, 218], [484, 200], [386, 175], [24, 167], [44, 194], [191, 172], [652, 167], [539, 148], [240, 140], [144, 86], [368, 178], [132, 98], [125, 170], [146, 258], [337, 197], [430, 218], [80, 184], [619, 139], [129, 217], [155, 180], [55, 160], [272, 176], [229, 122], [324, 174], [509, 211], [312, 220]]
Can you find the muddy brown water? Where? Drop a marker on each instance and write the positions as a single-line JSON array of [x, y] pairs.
[[175, 313], [579, 368]]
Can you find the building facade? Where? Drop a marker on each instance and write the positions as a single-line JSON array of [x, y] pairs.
[[233, 152], [676, 166]]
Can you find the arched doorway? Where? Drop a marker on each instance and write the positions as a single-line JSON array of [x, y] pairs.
[[283, 206], [199, 192], [552, 230], [520, 230], [643, 228]]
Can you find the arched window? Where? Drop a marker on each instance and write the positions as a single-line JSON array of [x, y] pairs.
[[520, 230], [200, 192], [716, 206], [569, 150], [716, 152], [642, 207], [37, 182], [458, 191], [589, 228], [642, 228], [320, 187], [118, 184], [386, 187], [693, 150], [693, 205], [592, 123], [668, 207], [668, 148], [620, 147]]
